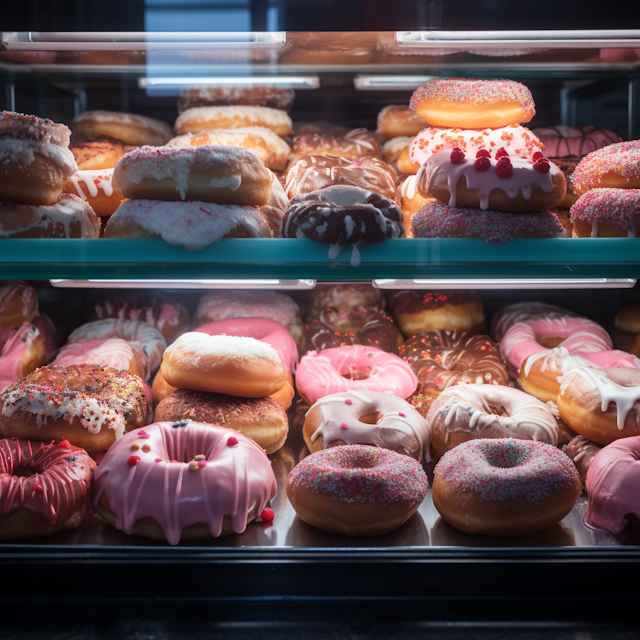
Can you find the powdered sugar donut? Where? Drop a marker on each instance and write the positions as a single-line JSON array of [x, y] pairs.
[[607, 213], [22, 350], [614, 167], [563, 140], [233, 117]]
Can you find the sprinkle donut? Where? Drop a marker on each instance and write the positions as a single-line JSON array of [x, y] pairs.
[[607, 213], [615, 166], [353, 368], [357, 490], [22, 350], [183, 481], [504, 487]]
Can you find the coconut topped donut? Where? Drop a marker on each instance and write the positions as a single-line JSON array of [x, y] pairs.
[[26, 127], [617, 165]]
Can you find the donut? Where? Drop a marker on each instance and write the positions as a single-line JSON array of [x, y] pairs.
[[22, 350], [405, 165], [627, 319], [193, 225], [394, 148], [254, 95], [411, 201], [115, 353], [563, 140], [370, 417], [602, 404], [224, 175], [353, 368], [480, 411], [215, 480], [160, 388], [582, 452], [130, 128], [98, 154], [97, 189], [378, 330], [169, 317], [232, 365], [614, 167], [438, 220], [352, 144], [276, 207], [91, 406], [612, 485], [269, 147], [220, 305], [18, 304], [311, 173], [146, 341], [47, 329], [343, 216], [54, 493], [518, 312], [68, 217], [261, 419], [499, 183], [398, 120], [515, 140], [607, 213], [473, 104], [200, 119], [504, 487], [357, 490], [417, 311], [35, 160], [567, 164]]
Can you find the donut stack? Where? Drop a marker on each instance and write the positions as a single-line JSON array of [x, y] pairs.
[[487, 173]]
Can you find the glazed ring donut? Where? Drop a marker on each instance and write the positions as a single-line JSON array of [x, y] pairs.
[[216, 480], [269, 147], [128, 127], [357, 490], [614, 167], [518, 312], [417, 311], [352, 144], [504, 487], [261, 419], [231, 365], [35, 160], [472, 412], [98, 154], [399, 120], [255, 95], [370, 417], [607, 213], [147, 342], [224, 175], [53, 495], [18, 304], [68, 217], [22, 350], [97, 189], [411, 201], [353, 368], [233, 117], [473, 104], [498, 183], [602, 405], [563, 140], [89, 405]]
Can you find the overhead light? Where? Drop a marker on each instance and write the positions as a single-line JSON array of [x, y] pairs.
[[373, 83], [184, 284], [507, 283], [293, 82]]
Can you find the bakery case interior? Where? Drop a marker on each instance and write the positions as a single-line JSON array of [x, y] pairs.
[[291, 202]]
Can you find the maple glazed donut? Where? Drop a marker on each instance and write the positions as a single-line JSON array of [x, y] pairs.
[[369, 417], [91, 406], [607, 213], [336, 142], [97, 154], [398, 120], [224, 175], [353, 368], [473, 104], [97, 189], [200, 119], [472, 412], [504, 487], [43, 487], [183, 481], [357, 490], [563, 140], [22, 350], [35, 160], [614, 167], [254, 95], [18, 304], [261, 419], [130, 128]]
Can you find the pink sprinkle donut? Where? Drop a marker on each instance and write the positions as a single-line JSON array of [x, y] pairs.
[[607, 212], [353, 368], [504, 487], [563, 140], [195, 480], [613, 479], [615, 166], [21, 351], [357, 489]]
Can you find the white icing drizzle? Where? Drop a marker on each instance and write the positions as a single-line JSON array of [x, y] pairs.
[[232, 183], [594, 229], [408, 189], [93, 181]]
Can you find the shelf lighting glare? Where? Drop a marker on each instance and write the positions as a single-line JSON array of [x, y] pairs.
[[507, 283], [184, 284], [293, 82], [373, 83]]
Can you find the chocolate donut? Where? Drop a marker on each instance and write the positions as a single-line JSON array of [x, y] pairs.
[[582, 452]]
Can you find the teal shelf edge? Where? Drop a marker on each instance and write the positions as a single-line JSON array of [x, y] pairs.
[[42, 259]]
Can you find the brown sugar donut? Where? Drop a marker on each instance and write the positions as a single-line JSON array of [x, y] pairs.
[[254, 95], [95, 154], [233, 117], [399, 120], [130, 128]]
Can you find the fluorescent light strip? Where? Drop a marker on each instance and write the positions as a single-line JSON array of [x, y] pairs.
[[294, 82], [184, 284], [374, 83], [508, 283]]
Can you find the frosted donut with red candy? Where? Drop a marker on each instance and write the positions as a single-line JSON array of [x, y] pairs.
[[22, 350]]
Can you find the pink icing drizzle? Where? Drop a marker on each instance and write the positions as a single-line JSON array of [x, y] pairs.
[[114, 353], [13, 344]]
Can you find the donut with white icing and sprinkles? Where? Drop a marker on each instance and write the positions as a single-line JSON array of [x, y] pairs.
[[614, 167]]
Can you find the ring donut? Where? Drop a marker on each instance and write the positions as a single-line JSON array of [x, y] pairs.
[[200, 119], [22, 350], [130, 128], [614, 167], [398, 120]]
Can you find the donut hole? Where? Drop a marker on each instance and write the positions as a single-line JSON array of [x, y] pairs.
[[498, 411], [505, 457], [356, 374], [371, 418], [551, 342], [24, 472], [362, 460]]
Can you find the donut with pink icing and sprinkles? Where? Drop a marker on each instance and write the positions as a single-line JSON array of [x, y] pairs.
[[473, 104], [607, 213], [504, 486], [614, 167]]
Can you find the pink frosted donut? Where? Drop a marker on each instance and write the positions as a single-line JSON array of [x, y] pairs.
[[114, 352], [563, 140], [353, 368], [517, 312], [615, 166], [263, 329], [21, 351], [613, 479], [195, 480]]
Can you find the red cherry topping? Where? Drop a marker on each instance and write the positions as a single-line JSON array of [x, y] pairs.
[[232, 441], [344, 425], [457, 156], [542, 166], [267, 514], [402, 415], [538, 155], [502, 153], [483, 153], [132, 461], [347, 401], [504, 168], [482, 164], [64, 443]]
